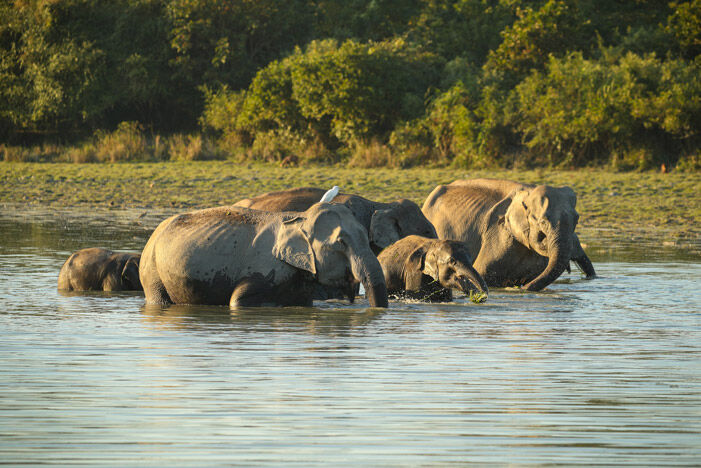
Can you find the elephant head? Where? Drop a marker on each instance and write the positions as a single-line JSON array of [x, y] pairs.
[[328, 242], [400, 219], [543, 219], [130, 273], [447, 262]]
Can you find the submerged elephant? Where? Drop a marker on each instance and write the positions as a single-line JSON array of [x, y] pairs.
[[242, 257], [385, 223], [427, 269], [97, 269], [518, 234]]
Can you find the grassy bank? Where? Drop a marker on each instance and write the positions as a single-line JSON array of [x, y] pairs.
[[629, 202]]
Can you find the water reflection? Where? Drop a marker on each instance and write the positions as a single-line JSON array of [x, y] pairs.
[[326, 320], [587, 372]]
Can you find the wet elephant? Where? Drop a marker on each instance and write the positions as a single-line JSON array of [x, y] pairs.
[[243, 257], [97, 269], [385, 223], [428, 269], [518, 234]]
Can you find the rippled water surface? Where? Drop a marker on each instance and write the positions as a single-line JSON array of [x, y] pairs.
[[588, 372]]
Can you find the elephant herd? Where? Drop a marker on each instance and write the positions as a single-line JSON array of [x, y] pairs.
[[287, 249]]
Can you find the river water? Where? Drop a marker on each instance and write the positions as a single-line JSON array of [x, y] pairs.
[[588, 372]]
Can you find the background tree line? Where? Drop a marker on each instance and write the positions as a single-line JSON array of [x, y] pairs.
[[376, 82]]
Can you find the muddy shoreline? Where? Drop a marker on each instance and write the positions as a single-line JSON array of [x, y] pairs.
[[661, 208]]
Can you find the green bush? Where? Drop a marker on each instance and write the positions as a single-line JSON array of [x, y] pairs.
[[331, 94], [553, 29], [642, 110], [685, 25]]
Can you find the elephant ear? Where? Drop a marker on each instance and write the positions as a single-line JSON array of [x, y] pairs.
[[384, 229], [516, 218], [431, 265], [130, 272], [413, 269], [292, 246]]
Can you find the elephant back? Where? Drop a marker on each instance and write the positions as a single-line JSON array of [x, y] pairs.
[[297, 199]]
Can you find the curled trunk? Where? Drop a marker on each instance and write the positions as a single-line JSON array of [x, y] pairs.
[[559, 251], [472, 280]]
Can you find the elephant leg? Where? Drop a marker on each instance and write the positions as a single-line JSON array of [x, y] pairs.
[[581, 259], [155, 290], [253, 291], [159, 295]]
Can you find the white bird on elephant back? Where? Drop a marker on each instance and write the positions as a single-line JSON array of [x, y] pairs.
[[330, 195], [385, 223]]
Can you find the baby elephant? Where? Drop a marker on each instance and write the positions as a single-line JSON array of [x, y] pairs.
[[427, 269], [97, 269]]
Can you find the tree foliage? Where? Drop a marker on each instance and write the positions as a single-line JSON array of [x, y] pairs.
[[336, 93], [472, 82]]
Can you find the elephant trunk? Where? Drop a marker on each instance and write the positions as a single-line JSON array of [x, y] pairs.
[[559, 251], [368, 271], [470, 280], [581, 258], [585, 265]]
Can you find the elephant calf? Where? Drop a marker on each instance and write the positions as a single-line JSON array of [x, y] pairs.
[[427, 269], [97, 269]]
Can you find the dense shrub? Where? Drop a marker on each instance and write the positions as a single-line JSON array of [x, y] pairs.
[[554, 28], [332, 94], [464, 28], [580, 111], [685, 25]]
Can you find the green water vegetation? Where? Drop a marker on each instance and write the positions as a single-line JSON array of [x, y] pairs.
[[477, 297], [625, 203], [360, 83]]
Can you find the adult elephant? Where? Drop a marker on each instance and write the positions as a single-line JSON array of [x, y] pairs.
[[428, 269], [97, 269], [518, 234], [385, 223], [243, 257]]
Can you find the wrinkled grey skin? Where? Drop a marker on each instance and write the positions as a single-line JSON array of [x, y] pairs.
[[242, 257], [518, 234], [385, 223], [97, 269], [427, 269]]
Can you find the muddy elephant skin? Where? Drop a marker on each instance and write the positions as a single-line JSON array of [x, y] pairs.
[[518, 234], [385, 223], [243, 257], [426, 269], [97, 269]]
